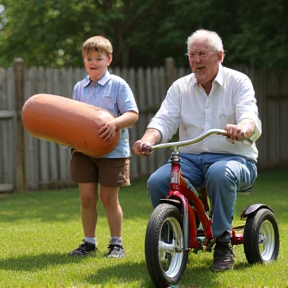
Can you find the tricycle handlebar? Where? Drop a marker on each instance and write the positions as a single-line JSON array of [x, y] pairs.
[[191, 141]]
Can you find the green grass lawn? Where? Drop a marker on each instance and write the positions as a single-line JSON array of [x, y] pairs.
[[38, 229]]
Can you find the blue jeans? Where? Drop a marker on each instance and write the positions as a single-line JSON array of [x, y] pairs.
[[222, 174]]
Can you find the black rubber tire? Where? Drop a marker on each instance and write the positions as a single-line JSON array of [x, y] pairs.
[[164, 246], [261, 237]]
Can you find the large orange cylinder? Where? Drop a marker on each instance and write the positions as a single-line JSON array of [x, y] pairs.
[[68, 122]]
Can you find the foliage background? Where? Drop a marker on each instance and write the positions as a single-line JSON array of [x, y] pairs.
[[143, 33]]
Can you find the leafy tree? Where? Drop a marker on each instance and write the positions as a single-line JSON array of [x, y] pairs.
[[41, 33], [189, 16], [262, 39], [50, 33], [143, 33]]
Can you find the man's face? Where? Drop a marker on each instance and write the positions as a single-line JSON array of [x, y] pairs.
[[96, 64], [204, 61]]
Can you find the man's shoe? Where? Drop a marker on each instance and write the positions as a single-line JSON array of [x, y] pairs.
[[83, 249], [116, 251], [223, 255]]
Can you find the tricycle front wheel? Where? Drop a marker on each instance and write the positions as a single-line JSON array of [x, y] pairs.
[[165, 256], [261, 237]]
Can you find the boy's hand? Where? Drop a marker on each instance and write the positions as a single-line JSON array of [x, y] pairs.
[[107, 131]]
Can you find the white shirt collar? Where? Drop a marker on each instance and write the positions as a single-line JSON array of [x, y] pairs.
[[219, 77]]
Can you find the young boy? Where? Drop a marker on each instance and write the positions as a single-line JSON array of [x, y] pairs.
[[112, 170]]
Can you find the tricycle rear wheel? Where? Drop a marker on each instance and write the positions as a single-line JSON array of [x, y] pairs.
[[261, 237]]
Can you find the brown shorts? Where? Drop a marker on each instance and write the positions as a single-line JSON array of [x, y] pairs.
[[109, 172]]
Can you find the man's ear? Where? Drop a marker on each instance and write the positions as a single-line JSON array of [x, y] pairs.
[[221, 56]]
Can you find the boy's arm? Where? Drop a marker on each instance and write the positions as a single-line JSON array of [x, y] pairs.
[[127, 119]]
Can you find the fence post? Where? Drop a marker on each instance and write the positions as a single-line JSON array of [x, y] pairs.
[[170, 71], [19, 88]]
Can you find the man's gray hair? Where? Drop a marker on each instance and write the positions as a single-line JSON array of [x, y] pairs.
[[214, 40]]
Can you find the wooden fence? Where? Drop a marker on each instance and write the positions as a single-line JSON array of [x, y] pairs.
[[27, 163]]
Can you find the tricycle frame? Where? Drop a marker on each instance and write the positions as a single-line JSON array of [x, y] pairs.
[[195, 221]]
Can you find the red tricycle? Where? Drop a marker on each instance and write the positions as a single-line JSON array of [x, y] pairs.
[[182, 222]]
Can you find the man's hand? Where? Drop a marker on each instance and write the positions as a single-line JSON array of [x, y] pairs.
[[242, 131], [141, 148]]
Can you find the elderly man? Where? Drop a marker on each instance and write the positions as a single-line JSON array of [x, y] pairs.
[[212, 96]]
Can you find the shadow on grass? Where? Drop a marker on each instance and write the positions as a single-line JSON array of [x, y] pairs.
[[122, 273], [33, 263], [200, 275], [196, 277]]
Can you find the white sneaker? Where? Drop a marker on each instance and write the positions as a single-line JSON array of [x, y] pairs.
[[115, 251]]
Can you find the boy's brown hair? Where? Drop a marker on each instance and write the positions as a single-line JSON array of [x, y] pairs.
[[98, 44]]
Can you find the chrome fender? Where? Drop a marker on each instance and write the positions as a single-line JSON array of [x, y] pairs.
[[182, 205]]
